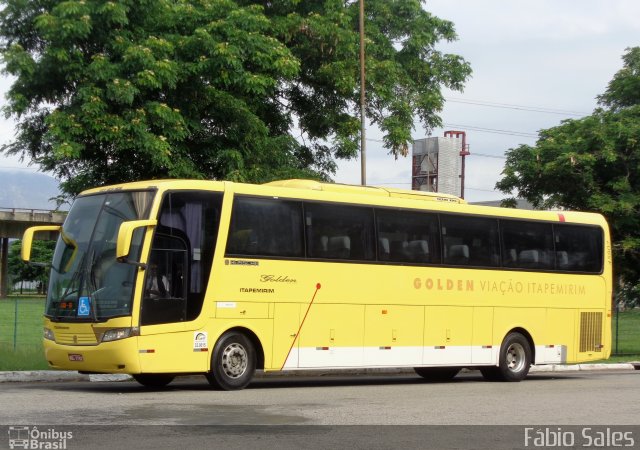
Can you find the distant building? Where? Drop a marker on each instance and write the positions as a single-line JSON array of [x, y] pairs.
[[438, 163]]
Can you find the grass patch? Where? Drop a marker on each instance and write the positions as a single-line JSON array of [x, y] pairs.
[[22, 359], [618, 359], [21, 333], [627, 339]]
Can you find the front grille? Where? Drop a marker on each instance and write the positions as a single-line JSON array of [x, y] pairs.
[[590, 332], [76, 338]]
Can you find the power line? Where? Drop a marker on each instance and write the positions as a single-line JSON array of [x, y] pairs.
[[484, 155], [480, 189], [481, 130], [409, 184], [538, 109], [491, 130], [19, 168]]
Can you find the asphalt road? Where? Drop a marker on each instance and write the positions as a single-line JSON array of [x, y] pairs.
[[287, 412]]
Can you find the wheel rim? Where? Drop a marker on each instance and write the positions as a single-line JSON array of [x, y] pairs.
[[515, 357], [234, 360]]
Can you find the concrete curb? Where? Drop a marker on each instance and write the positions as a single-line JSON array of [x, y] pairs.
[[41, 375], [582, 367], [29, 376]]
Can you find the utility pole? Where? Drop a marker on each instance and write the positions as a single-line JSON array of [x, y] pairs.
[[363, 147]]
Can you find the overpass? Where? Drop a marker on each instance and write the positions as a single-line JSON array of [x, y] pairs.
[[13, 223]]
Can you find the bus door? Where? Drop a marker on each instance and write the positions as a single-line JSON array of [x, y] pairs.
[[175, 282]]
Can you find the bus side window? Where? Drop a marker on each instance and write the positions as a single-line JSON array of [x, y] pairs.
[[384, 249], [531, 243], [408, 236], [243, 242], [470, 241], [339, 232], [262, 226], [418, 250], [339, 247], [458, 254], [578, 248]]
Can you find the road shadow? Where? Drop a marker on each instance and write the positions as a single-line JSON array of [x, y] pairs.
[[278, 381]]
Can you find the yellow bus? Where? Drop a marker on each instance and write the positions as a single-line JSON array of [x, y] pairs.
[[164, 278]]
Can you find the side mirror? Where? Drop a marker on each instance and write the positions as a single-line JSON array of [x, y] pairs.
[[125, 236], [27, 239]]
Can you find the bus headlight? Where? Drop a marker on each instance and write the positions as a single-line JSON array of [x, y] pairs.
[[48, 334], [119, 333]]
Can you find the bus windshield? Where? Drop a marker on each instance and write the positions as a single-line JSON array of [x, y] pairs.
[[87, 282]]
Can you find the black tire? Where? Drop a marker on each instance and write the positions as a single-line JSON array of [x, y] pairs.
[[233, 362], [153, 380], [437, 373], [515, 359]]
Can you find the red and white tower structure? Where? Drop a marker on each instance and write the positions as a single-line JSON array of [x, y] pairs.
[[439, 163]]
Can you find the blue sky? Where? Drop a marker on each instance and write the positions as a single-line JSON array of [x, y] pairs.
[[554, 54]]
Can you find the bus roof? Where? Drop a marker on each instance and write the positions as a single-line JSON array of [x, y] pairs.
[[405, 198], [365, 190], [293, 183]]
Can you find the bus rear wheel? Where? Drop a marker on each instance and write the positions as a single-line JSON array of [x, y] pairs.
[[437, 373], [233, 362], [153, 380], [514, 362]]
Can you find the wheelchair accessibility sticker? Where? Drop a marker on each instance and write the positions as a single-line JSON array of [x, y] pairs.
[[84, 306]]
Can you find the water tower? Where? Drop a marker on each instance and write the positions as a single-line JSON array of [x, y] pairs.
[[439, 163]]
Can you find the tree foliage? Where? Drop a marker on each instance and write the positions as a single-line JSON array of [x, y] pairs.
[[41, 252], [624, 90], [120, 90], [591, 164]]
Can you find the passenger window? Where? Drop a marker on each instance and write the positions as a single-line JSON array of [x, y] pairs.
[[265, 227], [408, 236], [339, 232], [527, 245], [181, 256], [578, 248], [470, 241]]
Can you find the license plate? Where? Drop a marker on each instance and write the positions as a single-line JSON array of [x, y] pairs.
[[75, 357]]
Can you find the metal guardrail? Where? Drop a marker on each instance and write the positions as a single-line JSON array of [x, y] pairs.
[[31, 211], [13, 221]]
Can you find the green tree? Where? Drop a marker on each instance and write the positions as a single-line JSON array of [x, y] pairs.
[[591, 164], [41, 252], [121, 90]]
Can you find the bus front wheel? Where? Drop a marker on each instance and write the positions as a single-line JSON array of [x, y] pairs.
[[233, 362], [515, 360]]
